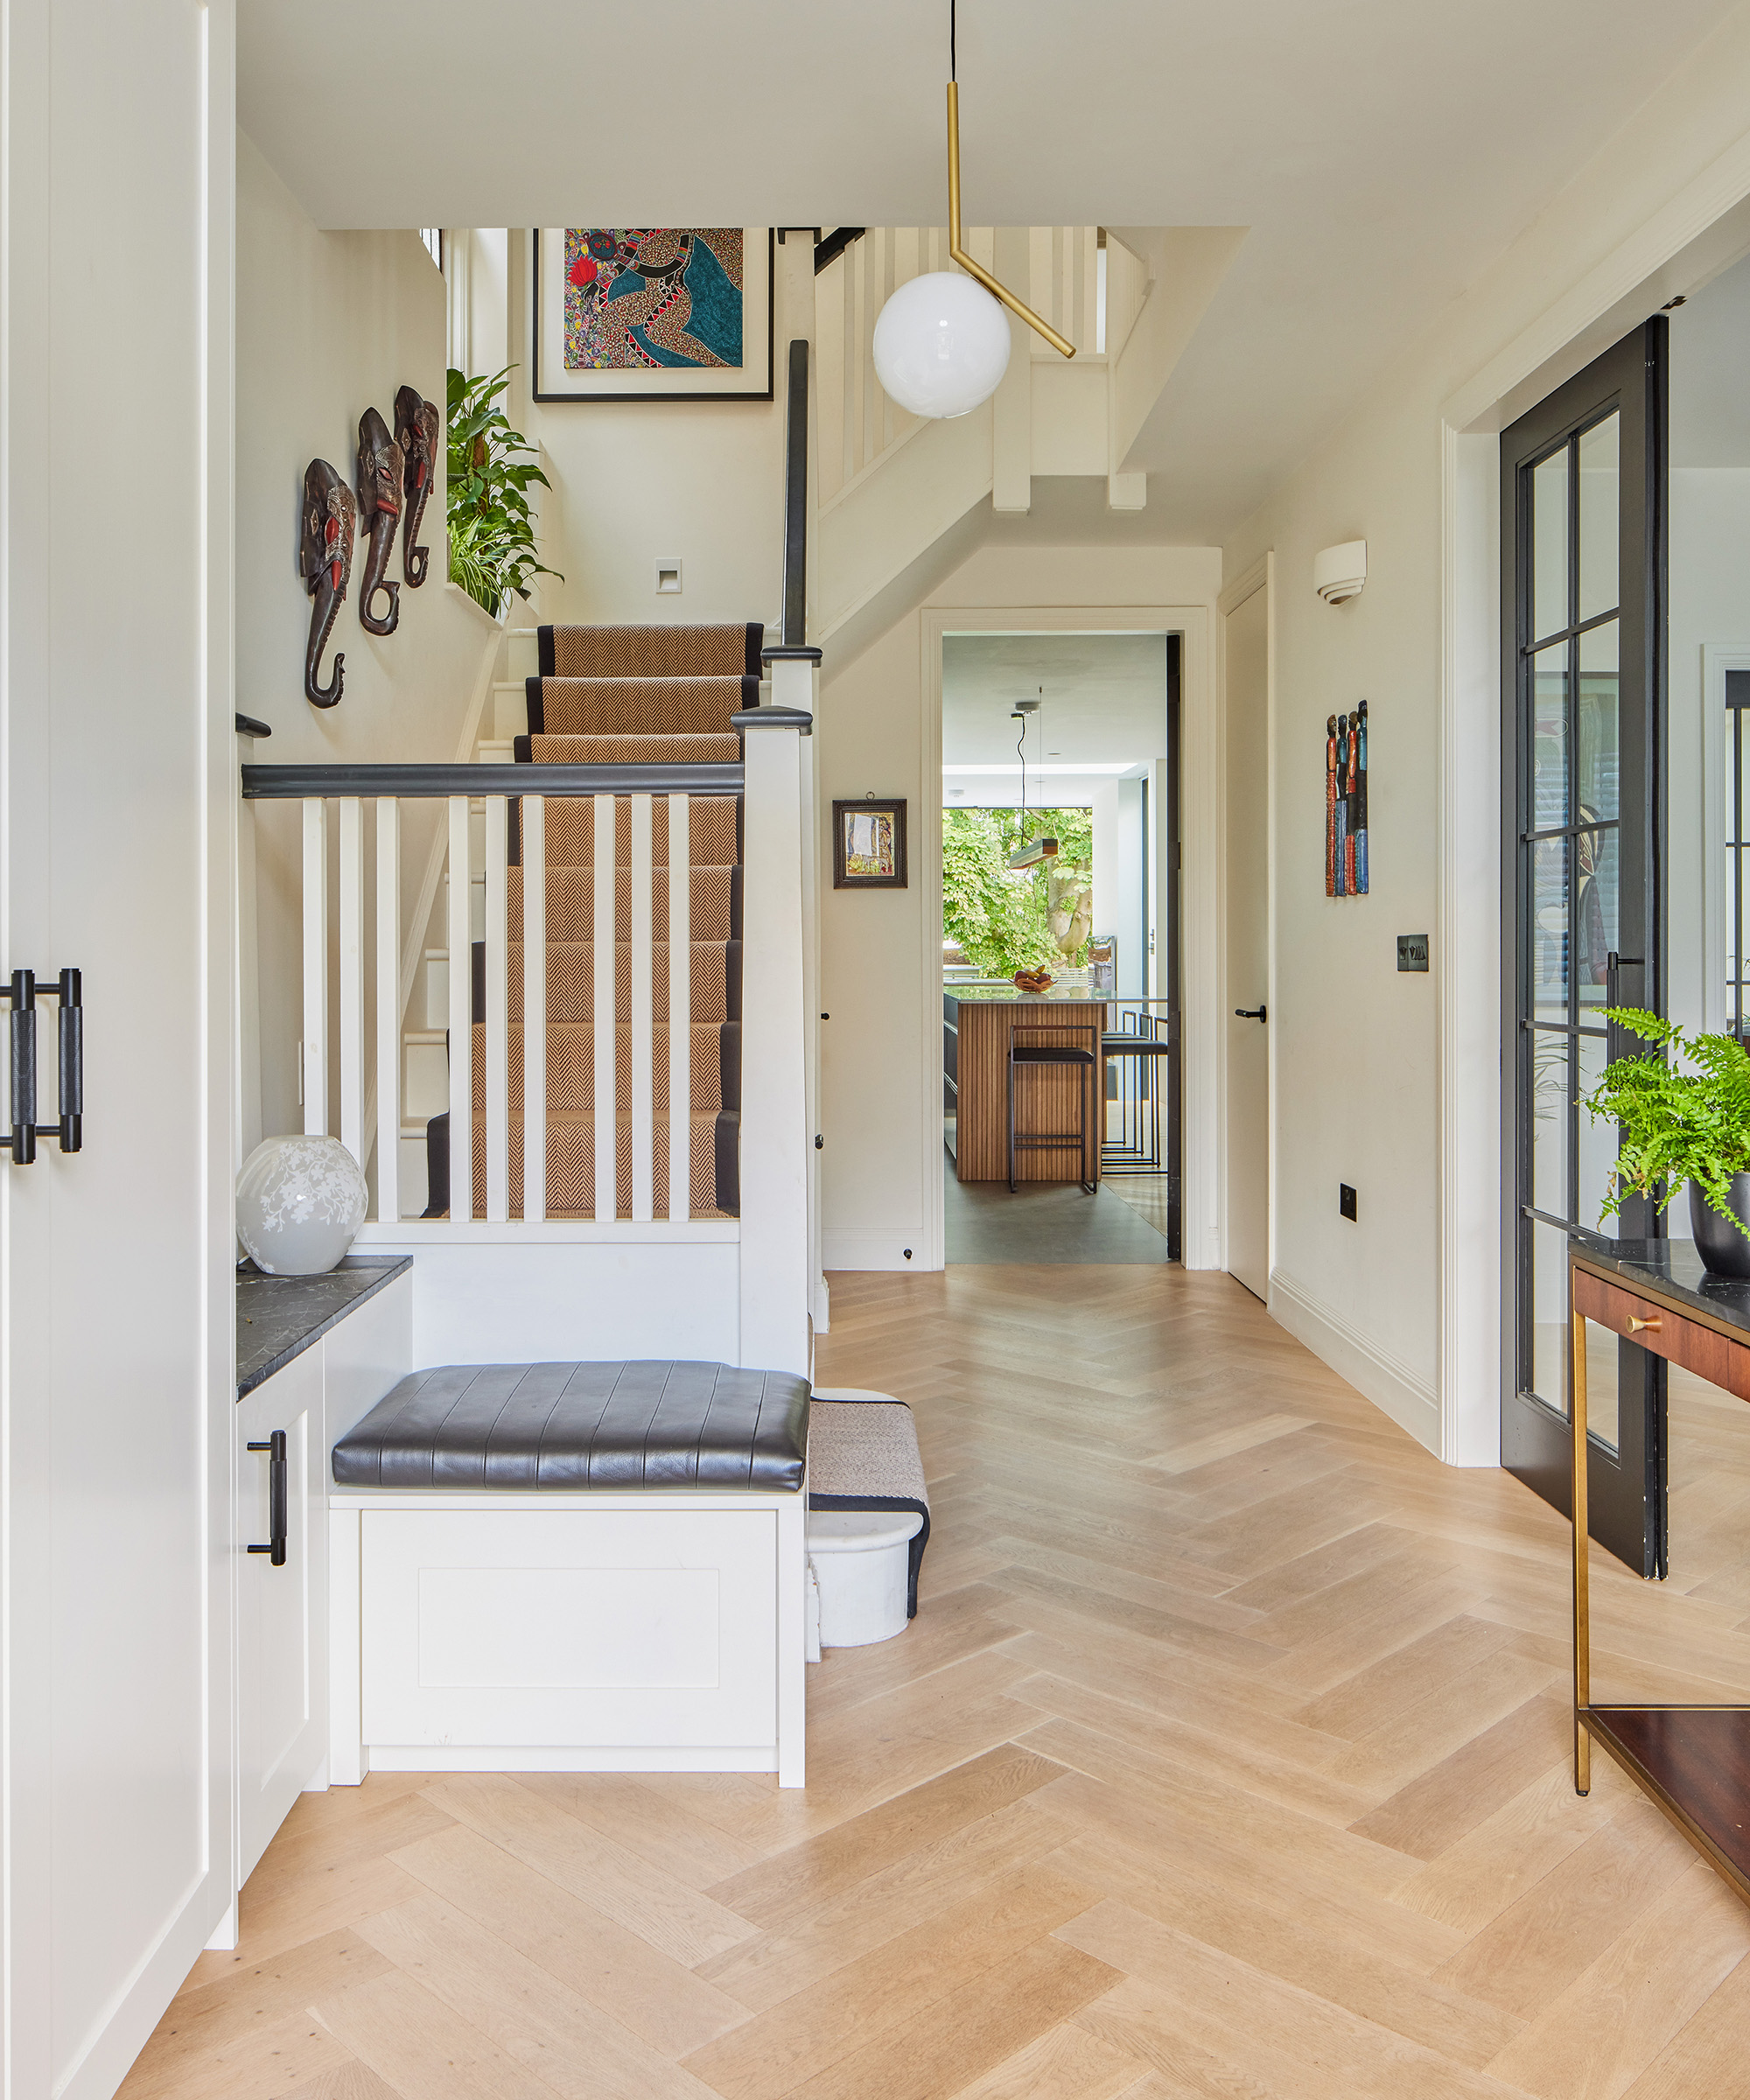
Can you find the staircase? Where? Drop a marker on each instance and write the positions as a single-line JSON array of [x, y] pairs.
[[625, 696]]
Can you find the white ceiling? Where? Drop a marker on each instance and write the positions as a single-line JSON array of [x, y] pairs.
[[1381, 155], [1105, 700], [1710, 397]]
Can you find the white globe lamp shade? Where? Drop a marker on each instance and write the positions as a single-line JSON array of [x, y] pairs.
[[941, 344]]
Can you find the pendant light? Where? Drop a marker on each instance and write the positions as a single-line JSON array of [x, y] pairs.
[[1031, 852], [941, 343]]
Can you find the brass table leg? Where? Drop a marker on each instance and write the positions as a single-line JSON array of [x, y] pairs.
[[1577, 1402]]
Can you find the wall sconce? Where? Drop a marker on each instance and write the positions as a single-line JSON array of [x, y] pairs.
[[1339, 572]]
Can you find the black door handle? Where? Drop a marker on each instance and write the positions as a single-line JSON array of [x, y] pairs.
[[1249, 1013], [274, 1548], [22, 991]]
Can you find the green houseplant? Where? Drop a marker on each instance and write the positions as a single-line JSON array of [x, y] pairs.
[[492, 536], [1681, 1125]]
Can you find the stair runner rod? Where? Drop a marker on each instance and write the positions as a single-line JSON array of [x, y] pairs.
[[295, 783]]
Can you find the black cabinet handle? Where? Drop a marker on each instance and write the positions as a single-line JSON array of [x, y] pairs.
[[276, 1547], [23, 992], [1249, 1013]]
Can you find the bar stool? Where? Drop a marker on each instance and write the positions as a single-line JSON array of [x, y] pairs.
[[1032, 1055], [1119, 1042]]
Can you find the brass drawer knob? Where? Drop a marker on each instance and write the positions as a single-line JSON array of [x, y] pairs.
[[1632, 1325]]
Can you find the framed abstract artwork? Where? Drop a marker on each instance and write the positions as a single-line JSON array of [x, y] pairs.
[[652, 313], [1346, 803], [869, 844]]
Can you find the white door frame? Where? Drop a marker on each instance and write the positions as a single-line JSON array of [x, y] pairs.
[[1260, 577], [1200, 889], [1700, 231]]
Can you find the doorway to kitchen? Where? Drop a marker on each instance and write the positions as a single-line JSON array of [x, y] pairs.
[[1061, 1115]]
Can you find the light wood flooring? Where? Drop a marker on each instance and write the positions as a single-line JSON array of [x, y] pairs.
[[1226, 1758]]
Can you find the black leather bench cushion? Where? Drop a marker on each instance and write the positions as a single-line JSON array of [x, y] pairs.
[[581, 1425]]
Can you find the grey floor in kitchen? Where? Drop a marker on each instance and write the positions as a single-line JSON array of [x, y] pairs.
[[1053, 1221]]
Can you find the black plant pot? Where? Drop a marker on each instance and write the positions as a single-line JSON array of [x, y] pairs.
[[1723, 1249]]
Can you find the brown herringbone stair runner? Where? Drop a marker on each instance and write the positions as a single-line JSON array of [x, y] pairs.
[[629, 695]]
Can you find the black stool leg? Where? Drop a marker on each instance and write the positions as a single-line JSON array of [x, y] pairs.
[[1012, 1119], [1084, 1087]]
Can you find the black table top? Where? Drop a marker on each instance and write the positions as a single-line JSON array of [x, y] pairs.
[[278, 1316], [1671, 1270]]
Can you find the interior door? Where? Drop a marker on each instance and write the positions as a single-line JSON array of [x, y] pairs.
[[1583, 544], [1247, 766], [117, 791]]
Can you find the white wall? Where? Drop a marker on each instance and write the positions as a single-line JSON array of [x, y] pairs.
[[329, 324], [634, 484], [1710, 611], [881, 1132], [1403, 1304]]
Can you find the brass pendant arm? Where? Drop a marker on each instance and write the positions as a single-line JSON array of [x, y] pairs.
[[977, 270]]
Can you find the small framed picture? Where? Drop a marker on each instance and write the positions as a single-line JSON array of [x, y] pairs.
[[869, 844]]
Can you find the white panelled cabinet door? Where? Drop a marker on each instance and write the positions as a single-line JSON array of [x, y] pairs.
[[281, 1606], [117, 802]]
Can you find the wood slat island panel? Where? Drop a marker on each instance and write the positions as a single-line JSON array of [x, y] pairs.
[[981, 1023]]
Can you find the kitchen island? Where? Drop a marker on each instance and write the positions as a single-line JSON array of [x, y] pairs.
[[978, 1023]]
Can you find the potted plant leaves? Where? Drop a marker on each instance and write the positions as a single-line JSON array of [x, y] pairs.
[[1681, 1125], [492, 532]]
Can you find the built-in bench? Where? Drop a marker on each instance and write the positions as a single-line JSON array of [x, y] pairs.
[[572, 1567]]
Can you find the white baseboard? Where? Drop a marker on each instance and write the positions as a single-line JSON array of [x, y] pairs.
[[420, 1757], [849, 1247], [1389, 1384]]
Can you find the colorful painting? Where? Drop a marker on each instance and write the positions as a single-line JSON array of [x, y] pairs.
[[651, 298], [869, 844], [1346, 803], [631, 313]]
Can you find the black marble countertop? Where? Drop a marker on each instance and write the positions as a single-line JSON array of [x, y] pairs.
[[278, 1316], [1670, 1268]]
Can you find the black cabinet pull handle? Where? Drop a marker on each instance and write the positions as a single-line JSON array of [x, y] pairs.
[[22, 991], [276, 1547], [1250, 1013]]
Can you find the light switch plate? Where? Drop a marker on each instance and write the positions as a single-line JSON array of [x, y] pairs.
[[1412, 951]]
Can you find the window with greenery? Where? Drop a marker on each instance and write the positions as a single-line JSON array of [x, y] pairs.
[[1005, 919]]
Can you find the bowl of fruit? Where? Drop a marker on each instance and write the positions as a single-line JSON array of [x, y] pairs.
[[1035, 981]]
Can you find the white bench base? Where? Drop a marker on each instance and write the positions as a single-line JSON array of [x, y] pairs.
[[532, 1632]]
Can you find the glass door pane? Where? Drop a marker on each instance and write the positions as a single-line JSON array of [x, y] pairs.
[[1582, 727]]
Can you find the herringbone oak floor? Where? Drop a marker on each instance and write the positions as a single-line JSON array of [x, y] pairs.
[[1228, 1758]]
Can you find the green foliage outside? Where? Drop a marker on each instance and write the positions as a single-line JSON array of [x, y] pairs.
[[1006, 919], [492, 536], [1677, 1126]]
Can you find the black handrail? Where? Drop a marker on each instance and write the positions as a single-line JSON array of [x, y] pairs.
[[298, 783], [796, 499], [834, 245]]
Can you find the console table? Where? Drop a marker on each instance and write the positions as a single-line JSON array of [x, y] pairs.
[[1694, 1761]]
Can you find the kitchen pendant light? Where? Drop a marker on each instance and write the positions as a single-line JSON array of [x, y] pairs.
[[1031, 852], [941, 343]]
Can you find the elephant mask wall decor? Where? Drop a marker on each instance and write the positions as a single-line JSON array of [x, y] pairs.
[[418, 426], [380, 471], [325, 560]]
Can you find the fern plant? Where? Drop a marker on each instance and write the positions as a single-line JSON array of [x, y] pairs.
[[1677, 1125], [492, 534]]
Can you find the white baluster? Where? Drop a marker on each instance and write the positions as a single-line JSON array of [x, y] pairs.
[[315, 1039], [498, 1019], [388, 1010], [606, 1117], [461, 1020], [533, 1007], [353, 976], [680, 1009], [641, 1033]]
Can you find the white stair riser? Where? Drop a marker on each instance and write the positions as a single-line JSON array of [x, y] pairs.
[[426, 1087]]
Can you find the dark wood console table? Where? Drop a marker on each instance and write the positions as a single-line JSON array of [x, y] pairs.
[[1694, 1761]]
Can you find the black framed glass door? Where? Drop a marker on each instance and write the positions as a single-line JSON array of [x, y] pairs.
[[1583, 546]]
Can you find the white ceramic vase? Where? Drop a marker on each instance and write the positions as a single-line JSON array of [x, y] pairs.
[[300, 1202]]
